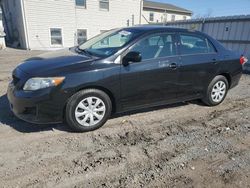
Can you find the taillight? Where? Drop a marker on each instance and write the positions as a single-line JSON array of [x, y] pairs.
[[243, 60]]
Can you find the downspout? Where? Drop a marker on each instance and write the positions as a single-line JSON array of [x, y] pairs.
[[75, 32], [141, 8], [25, 25]]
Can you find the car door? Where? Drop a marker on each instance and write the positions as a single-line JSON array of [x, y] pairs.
[[199, 63], [154, 79]]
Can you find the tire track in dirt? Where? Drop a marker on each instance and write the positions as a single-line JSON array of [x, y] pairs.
[[150, 149], [177, 139]]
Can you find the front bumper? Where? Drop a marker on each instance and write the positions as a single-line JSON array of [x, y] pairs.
[[39, 107]]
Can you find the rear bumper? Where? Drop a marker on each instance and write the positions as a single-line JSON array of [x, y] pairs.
[[39, 107], [246, 67]]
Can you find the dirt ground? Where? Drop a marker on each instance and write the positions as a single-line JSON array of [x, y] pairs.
[[182, 145]]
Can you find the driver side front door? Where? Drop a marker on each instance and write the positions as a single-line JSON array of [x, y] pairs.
[[153, 81]]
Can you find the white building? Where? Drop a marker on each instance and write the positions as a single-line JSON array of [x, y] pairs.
[[154, 12], [53, 24]]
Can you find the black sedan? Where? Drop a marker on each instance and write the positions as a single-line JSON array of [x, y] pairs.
[[122, 70]]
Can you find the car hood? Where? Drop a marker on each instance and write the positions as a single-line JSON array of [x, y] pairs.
[[55, 63]]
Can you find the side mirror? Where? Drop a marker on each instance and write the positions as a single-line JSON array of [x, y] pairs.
[[131, 57]]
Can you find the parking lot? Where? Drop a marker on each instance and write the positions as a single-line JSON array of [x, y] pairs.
[[181, 145]]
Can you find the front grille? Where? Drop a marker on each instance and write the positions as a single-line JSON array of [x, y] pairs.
[[15, 79]]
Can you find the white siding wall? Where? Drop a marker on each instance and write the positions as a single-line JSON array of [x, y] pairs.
[[2, 43], [46, 14], [159, 16], [41, 15]]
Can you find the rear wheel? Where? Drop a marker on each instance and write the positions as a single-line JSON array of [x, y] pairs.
[[88, 110], [216, 91]]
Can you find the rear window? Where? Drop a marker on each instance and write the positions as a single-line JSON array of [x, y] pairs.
[[191, 44]]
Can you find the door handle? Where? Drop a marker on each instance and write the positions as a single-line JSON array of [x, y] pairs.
[[173, 65]]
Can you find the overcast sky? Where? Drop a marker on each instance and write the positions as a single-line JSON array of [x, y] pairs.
[[213, 7]]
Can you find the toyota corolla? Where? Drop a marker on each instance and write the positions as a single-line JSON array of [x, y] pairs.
[[122, 70]]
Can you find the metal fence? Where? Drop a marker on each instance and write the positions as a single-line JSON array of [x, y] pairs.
[[233, 31]]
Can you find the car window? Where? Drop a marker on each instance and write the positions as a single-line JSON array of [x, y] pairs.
[[108, 43], [157, 40], [156, 46], [113, 41], [191, 44]]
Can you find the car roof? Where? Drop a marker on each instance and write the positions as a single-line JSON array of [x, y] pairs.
[[148, 28]]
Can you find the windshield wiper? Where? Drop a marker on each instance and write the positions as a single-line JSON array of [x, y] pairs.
[[85, 51]]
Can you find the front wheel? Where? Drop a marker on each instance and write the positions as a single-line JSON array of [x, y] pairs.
[[216, 91], [88, 110]]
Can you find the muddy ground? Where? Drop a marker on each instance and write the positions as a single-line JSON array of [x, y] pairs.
[[182, 145]]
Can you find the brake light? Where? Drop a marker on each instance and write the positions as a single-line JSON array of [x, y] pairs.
[[243, 60]]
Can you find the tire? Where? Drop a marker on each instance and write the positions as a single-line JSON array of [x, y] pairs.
[[81, 114], [215, 93]]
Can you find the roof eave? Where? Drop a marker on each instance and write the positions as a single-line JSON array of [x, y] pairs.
[[167, 9]]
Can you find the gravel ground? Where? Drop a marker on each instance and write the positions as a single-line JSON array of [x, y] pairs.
[[181, 145]]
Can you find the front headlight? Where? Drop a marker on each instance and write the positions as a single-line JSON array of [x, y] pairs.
[[34, 84]]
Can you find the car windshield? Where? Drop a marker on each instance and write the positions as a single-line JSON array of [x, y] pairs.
[[108, 43]]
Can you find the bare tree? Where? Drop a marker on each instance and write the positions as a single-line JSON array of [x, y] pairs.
[[208, 14]]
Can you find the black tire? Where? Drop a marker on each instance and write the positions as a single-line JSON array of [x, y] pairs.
[[208, 100], [76, 99]]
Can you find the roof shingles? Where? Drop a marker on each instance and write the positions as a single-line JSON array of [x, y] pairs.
[[164, 6]]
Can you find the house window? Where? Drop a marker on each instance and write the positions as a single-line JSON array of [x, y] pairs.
[[173, 18], [81, 3], [151, 16], [184, 17], [81, 36], [104, 4], [164, 18], [56, 36]]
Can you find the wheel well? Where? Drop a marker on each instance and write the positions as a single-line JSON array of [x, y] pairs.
[[228, 77], [109, 93], [105, 90]]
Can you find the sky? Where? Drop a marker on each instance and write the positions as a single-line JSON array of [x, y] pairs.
[[213, 7]]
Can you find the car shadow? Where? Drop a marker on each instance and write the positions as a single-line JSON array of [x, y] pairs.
[[7, 118], [246, 72], [168, 106]]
